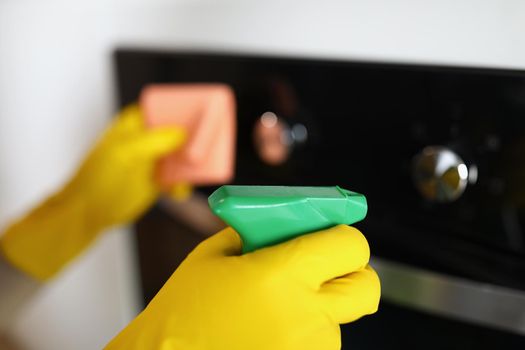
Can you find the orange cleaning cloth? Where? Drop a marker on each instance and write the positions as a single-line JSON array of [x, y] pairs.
[[207, 113]]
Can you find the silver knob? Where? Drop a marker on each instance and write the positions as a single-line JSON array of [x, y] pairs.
[[440, 174], [274, 139]]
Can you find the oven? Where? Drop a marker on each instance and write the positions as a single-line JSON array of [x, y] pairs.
[[438, 151]]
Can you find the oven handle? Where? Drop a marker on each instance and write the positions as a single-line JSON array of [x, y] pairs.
[[453, 297]]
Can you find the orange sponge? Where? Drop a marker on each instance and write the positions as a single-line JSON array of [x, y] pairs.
[[207, 113]]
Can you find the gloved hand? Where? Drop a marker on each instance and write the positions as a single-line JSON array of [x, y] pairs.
[[114, 185], [116, 179], [291, 296]]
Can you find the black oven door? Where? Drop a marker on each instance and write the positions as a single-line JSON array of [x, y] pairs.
[[450, 250]]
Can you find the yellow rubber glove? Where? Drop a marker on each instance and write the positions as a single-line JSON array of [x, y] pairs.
[[292, 296], [114, 185]]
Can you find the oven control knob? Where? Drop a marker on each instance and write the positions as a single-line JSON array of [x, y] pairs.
[[440, 174], [274, 139]]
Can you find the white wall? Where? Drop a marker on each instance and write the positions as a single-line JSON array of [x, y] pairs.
[[56, 95]]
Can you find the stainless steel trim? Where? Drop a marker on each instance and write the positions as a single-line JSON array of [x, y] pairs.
[[453, 297]]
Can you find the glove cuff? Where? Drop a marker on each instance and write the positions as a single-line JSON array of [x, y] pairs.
[[43, 242]]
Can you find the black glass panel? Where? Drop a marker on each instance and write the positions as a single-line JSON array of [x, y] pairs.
[[365, 123], [393, 328]]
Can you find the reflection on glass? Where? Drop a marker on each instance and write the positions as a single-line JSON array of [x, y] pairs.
[[272, 139]]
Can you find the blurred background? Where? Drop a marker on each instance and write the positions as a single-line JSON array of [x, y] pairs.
[[58, 90]]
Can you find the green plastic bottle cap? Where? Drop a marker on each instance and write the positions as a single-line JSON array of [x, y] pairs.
[[267, 215]]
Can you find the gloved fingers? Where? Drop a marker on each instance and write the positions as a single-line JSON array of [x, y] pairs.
[[321, 256], [153, 144], [180, 191], [128, 121], [352, 296], [224, 243]]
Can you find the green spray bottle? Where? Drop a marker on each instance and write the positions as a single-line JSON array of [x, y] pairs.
[[268, 215]]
